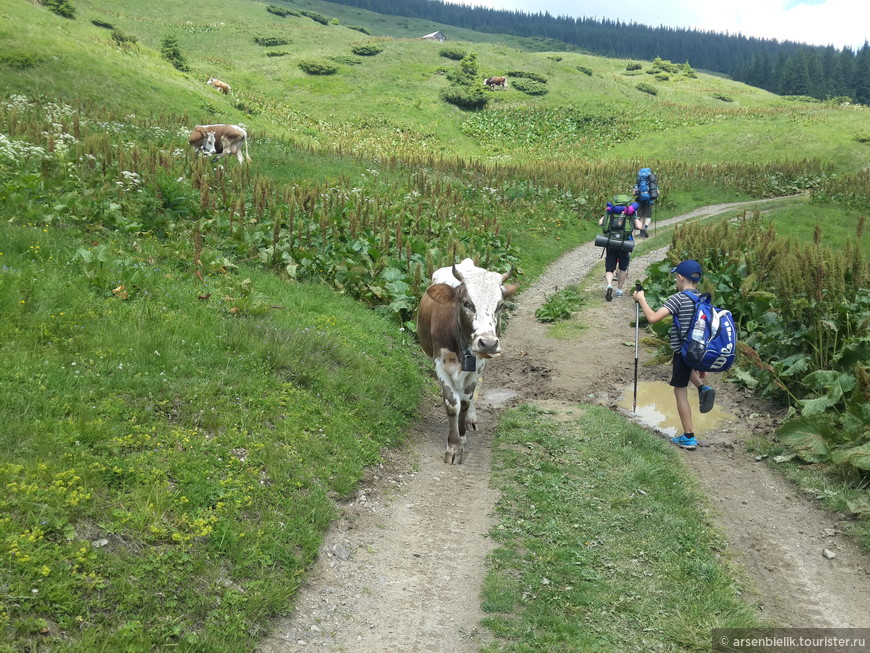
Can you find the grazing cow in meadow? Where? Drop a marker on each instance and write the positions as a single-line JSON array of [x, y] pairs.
[[220, 140], [495, 82], [223, 87], [457, 325]]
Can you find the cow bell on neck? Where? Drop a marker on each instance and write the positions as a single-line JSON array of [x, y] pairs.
[[468, 361]]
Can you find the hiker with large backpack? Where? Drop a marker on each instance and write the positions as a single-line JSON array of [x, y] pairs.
[[618, 222], [646, 190], [703, 339]]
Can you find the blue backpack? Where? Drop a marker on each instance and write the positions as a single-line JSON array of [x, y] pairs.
[[647, 185], [711, 342]]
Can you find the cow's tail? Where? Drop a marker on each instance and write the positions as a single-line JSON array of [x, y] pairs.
[[247, 156]]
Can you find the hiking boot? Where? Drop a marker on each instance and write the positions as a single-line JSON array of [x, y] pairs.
[[644, 233], [619, 292], [706, 397], [685, 442], [608, 295]]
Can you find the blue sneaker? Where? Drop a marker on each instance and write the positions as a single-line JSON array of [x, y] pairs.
[[706, 397], [685, 442]]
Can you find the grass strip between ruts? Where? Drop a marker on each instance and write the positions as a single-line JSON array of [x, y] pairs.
[[605, 543]]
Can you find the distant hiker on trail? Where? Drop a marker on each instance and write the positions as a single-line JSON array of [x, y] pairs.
[[646, 190], [688, 274], [618, 221]]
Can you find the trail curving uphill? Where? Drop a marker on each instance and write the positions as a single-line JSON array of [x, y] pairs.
[[401, 569]]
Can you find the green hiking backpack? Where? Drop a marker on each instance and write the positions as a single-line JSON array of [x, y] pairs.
[[620, 216]]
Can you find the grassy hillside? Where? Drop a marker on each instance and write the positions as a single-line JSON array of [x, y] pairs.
[[390, 103]]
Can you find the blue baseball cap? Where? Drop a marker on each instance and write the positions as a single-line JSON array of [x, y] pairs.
[[689, 269]]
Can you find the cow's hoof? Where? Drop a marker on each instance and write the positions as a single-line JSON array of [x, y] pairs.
[[453, 456]]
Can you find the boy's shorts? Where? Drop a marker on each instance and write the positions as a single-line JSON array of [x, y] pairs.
[[680, 372], [613, 257]]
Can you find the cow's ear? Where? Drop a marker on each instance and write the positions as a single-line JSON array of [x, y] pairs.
[[507, 291], [442, 293]]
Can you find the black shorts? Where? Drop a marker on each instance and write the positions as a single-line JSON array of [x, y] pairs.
[[644, 210], [680, 372], [615, 257]]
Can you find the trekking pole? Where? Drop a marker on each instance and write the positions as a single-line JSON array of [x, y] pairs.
[[637, 288]]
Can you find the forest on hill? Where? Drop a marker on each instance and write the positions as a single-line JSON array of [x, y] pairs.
[[782, 67]]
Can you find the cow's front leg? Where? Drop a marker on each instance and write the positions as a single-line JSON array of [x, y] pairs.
[[450, 376], [467, 414], [455, 428]]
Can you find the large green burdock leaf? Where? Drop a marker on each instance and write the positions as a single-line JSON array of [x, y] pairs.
[[856, 456], [808, 436]]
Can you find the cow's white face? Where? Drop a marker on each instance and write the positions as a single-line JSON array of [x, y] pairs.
[[208, 144], [480, 310]]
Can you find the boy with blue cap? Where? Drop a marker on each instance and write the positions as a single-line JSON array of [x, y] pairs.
[[688, 275]]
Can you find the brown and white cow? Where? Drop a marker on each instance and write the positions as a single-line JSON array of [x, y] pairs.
[[220, 140], [494, 82], [223, 87], [458, 325]]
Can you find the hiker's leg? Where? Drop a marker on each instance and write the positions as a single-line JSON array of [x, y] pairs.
[[622, 275], [683, 409], [706, 394], [610, 262], [680, 377]]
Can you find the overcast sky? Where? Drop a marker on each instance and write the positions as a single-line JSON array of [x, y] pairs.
[[817, 22]]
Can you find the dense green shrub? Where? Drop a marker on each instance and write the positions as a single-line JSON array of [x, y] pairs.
[[318, 67], [530, 86], [723, 97], [103, 24], [664, 65], [366, 49], [170, 51], [271, 41], [121, 38], [465, 97], [585, 70], [662, 77], [633, 65], [20, 60], [281, 11], [318, 18], [526, 75], [452, 52], [346, 59], [62, 8], [647, 88], [359, 28], [277, 53]]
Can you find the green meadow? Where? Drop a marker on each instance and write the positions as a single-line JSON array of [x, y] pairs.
[[202, 358]]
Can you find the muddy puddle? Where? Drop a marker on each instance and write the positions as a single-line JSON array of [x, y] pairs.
[[657, 409]]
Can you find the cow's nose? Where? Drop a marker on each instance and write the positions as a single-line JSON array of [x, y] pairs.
[[488, 344]]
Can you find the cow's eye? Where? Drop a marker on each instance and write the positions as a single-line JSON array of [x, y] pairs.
[[467, 304]]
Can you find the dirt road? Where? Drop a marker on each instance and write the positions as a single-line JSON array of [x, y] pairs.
[[401, 570]]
